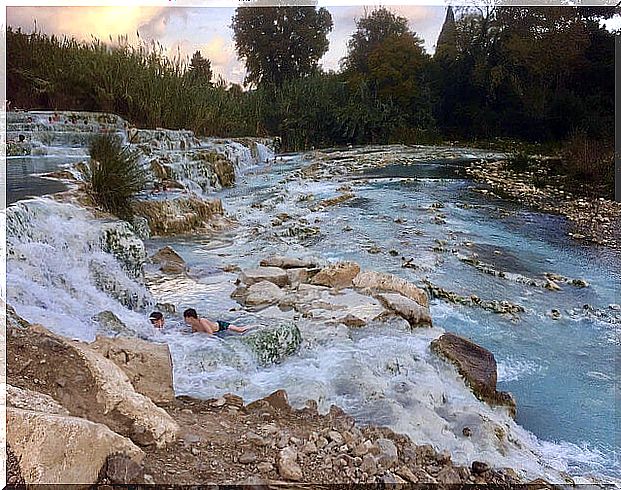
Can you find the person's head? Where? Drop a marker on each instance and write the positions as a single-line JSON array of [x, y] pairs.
[[157, 319], [190, 316], [21, 138]]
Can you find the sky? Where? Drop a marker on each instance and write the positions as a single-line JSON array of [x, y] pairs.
[[207, 29]]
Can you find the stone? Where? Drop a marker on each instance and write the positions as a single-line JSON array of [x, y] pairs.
[[478, 467], [259, 295], [109, 323], [265, 467], [415, 314], [478, 367], [383, 282], [368, 465], [275, 343], [275, 275], [338, 276], [147, 365], [121, 469], [309, 448], [387, 453], [352, 321], [448, 475], [169, 260], [297, 276], [336, 437], [407, 474], [287, 464], [288, 262], [248, 458], [61, 449], [32, 400], [277, 400]]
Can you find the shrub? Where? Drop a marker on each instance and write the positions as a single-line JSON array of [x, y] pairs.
[[114, 175]]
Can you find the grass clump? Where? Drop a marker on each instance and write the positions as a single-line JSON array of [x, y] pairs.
[[114, 175]]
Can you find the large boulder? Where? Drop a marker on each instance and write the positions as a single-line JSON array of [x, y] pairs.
[[273, 344], [60, 449], [288, 262], [33, 400], [169, 260], [147, 365], [338, 276], [478, 367], [86, 383], [259, 295], [275, 275], [383, 282], [410, 310]]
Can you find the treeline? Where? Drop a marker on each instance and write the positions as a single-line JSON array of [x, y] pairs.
[[535, 74]]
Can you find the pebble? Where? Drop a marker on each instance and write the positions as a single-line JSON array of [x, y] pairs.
[[248, 458], [309, 448], [265, 467], [195, 451], [283, 441]]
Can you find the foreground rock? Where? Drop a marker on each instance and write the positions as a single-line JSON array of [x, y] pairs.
[[338, 276], [288, 262], [274, 275], [382, 282], [147, 365], [61, 449], [86, 383], [478, 367], [260, 295], [410, 310], [273, 344]]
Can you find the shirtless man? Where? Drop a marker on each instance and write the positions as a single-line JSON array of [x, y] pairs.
[[207, 326]]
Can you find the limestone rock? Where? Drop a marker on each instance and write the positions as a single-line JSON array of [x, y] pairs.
[[147, 365], [120, 469], [288, 466], [410, 310], [288, 262], [169, 260], [272, 344], [338, 276], [109, 323], [259, 295], [274, 275], [32, 400], [59, 449], [387, 453], [477, 365], [382, 282]]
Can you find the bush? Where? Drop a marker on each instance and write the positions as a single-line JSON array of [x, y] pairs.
[[114, 175]]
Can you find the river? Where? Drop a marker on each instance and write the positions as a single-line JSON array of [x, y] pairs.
[[417, 205]]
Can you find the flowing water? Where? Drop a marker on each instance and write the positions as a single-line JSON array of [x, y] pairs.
[[418, 206]]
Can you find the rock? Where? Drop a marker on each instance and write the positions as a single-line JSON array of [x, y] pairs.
[[309, 448], [415, 314], [352, 321], [387, 454], [448, 475], [296, 277], [277, 400], [478, 367], [478, 467], [288, 262], [382, 282], [336, 437], [32, 400], [259, 295], [273, 344], [283, 441], [265, 467], [147, 365], [551, 285], [109, 323], [248, 458], [274, 275], [338, 276], [170, 262], [121, 469], [60, 449], [287, 464], [368, 465], [407, 474]]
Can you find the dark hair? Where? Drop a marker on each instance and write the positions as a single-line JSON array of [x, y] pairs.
[[156, 315], [190, 313]]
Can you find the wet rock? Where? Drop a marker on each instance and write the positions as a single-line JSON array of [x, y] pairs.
[[415, 314], [338, 276], [382, 282], [387, 454], [59, 449], [170, 262], [333, 201], [352, 321], [274, 275], [478, 467], [109, 323], [147, 365], [296, 277], [259, 295], [273, 344], [287, 464], [477, 365], [288, 262]]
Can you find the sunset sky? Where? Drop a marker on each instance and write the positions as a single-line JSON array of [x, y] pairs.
[[206, 29]]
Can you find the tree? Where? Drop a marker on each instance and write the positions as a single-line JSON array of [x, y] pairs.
[[199, 70], [280, 43], [371, 30], [446, 47]]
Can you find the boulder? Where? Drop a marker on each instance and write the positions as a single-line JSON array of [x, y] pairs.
[[383, 282], [259, 295], [274, 275], [169, 260], [288, 467], [288, 262], [338, 276], [98, 389], [272, 344], [410, 310], [297, 277], [33, 400], [478, 367], [147, 365], [60, 449]]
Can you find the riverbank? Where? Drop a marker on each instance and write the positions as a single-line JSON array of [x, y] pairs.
[[595, 220]]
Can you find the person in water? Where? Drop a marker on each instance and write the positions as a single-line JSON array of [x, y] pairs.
[[207, 326], [157, 319]]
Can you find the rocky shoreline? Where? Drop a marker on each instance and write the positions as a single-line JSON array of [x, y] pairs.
[[595, 220]]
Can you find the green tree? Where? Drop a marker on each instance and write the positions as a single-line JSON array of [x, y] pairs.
[[280, 43], [199, 70]]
